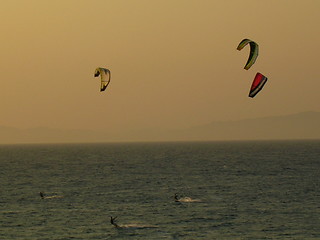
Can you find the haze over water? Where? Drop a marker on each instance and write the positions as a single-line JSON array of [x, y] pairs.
[[248, 190], [174, 63]]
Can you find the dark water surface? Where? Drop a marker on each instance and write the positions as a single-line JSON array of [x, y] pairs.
[[248, 190]]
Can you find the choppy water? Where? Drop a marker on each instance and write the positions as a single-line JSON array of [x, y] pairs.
[[248, 190]]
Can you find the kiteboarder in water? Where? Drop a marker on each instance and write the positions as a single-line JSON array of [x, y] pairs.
[[112, 221], [176, 197], [41, 195]]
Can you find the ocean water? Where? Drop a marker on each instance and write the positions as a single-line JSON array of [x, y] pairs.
[[246, 190]]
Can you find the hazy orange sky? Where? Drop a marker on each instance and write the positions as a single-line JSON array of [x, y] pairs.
[[174, 63]]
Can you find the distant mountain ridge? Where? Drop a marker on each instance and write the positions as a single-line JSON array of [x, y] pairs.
[[305, 125]]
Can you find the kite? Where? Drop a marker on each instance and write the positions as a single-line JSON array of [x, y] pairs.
[[257, 84], [105, 77], [254, 51]]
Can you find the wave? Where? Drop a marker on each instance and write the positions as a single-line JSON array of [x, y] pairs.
[[187, 199], [51, 197], [134, 226]]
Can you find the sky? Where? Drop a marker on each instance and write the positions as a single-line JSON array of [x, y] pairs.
[[173, 63]]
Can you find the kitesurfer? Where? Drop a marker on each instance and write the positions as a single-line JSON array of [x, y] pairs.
[[112, 221], [176, 199], [41, 195]]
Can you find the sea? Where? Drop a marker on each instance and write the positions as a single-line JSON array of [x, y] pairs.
[[225, 190]]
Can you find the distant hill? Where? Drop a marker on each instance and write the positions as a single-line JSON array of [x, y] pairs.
[[304, 125]]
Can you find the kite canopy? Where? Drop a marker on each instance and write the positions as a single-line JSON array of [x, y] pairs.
[[105, 77], [254, 51], [257, 84]]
